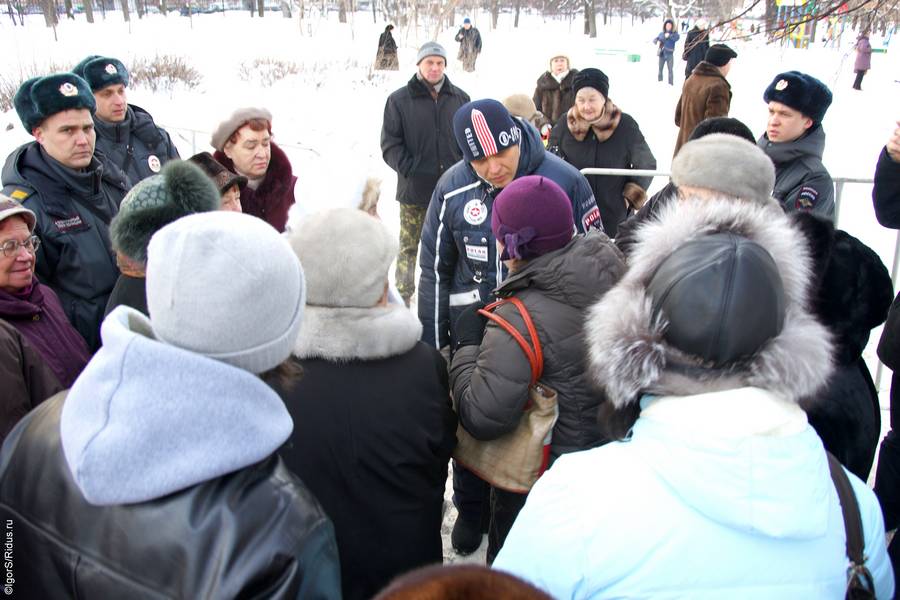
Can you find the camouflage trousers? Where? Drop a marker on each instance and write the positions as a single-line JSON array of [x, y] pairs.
[[412, 218]]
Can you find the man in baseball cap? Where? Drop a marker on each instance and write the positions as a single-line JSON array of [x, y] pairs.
[[73, 193], [794, 140], [459, 258]]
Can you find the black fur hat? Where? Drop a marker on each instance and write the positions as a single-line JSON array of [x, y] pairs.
[[179, 190], [41, 97], [102, 71], [79, 68], [801, 92]]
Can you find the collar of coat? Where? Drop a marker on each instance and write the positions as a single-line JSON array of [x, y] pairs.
[[604, 126], [549, 83], [627, 350], [420, 88], [705, 69], [278, 179], [346, 334]]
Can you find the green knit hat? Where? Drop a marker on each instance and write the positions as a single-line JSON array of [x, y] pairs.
[[42, 97], [179, 190]]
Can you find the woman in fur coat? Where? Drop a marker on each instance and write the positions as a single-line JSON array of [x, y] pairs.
[[373, 423], [719, 488], [595, 133]]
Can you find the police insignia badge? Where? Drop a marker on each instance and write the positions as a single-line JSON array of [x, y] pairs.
[[782, 84], [111, 69], [68, 90]]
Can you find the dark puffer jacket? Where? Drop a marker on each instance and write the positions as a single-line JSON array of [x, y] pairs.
[[274, 197], [802, 182], [491, 381], [695, 46], [851, 295], [554, 98], [73, 211], [626, 148], [460, 263], [136, 145], [417, 137]]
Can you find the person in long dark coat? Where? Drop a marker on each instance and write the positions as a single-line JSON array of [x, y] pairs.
[[386, 58], [695, 46]]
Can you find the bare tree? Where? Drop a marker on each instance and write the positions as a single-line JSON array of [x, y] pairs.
[[261, 7], [125, 14], [88, 10]]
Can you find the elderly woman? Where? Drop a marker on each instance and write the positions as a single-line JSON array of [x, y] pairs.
[[229, 183], [28, 305], [243, 144], [554, 95], [373, 424], [179, 190], [595, 133], [556, 276]]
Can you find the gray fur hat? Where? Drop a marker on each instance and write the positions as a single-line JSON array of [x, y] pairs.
[[629, 354], [346, 254], [699, 163], [237, 119], [180, 189], [431, 49]]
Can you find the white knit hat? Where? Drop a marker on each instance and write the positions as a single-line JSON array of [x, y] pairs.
[[228, 286], [234, 122], [346, 254]]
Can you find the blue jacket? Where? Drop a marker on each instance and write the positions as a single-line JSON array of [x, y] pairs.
[[716, 495], [458, 256], [667, 42]]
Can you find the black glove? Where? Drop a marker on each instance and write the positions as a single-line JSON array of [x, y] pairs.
[[470, 326]]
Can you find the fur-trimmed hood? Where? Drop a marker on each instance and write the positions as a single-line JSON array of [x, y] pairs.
[[627, 352], [345, 334]]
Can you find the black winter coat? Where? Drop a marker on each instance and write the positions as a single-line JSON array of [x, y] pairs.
[[851, 294], [886, 191], [695, 46], [254, 533], [417, 138], [128, 291], [490, 381], [372, 439], [554, 98], [136, 145], [625, 149], [73, 211]]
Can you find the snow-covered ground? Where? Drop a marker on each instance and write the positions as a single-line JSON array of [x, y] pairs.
[[328, 116]]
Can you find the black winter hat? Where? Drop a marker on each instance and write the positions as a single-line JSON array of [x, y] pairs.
[[79, 68], [102, 71], [728, 125], [721, 296], [41, 97], [180, 189], [801, 92], [592, 78], [719, 55], [221, 176], [483, 128]]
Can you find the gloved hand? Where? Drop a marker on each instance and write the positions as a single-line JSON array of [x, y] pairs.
[[470, 326]]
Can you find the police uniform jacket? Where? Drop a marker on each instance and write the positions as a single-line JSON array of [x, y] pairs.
[[801, 180], [136, 145]]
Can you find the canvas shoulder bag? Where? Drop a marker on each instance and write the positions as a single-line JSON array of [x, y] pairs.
[[515, 461]]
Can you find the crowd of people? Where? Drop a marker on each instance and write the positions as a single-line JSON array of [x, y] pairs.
[[639, 396]]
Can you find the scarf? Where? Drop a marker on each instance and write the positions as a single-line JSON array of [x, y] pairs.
[[604, 125]]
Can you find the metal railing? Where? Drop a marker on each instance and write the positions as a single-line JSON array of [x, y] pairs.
[[839, 183]]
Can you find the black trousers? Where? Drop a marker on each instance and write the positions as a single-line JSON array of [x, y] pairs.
[[505, 507], [857, 85]]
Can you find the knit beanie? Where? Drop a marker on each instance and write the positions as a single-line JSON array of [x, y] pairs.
[[520, 105], [180, 189], [721, 297], [228, 286], [237, 120], [346, 255], [9, 207], [431, 49], [484, 128], [719, 55], [801, 92], [532, 216], [221, 177], [100, 72], [41, 97], [750, 176], [592, 78]]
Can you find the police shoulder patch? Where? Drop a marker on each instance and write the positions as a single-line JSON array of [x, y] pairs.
[[807, 198], [18, 193]]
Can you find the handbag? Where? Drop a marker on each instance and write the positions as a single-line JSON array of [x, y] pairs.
[[515, 461], [860, 585]]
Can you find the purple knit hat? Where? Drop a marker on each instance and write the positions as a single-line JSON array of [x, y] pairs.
[[532, 216]]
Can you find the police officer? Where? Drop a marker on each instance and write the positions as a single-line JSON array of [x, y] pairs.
[[417, 142], [73, 194], [126, 134]]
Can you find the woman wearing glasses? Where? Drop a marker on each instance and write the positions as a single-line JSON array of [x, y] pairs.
[[41, 350]]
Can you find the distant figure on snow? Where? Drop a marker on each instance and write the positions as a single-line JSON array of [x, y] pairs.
[[863, 59], [666, 48], [469, 44], [386, 58]]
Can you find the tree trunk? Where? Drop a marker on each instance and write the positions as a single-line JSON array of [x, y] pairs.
[[495, 13], [89, 10], [125, 13], [286, 9], [374, 14], [342, 11], [70, 13], [590, 19], [49, 8], [141, 9], [163, 7], [518, 8], [261, 7]]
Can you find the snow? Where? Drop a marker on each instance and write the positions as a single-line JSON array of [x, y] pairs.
[[327, 117]]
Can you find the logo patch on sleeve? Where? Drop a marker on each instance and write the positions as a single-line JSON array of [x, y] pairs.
[[807, 198], [592, 219], [69, 224], [18, 194]]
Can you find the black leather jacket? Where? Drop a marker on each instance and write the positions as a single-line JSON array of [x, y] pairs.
[[254, 533]]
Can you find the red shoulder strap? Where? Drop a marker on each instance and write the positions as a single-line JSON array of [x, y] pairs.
[[532, 351]]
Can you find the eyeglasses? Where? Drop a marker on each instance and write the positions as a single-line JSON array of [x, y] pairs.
[[11, 247]]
